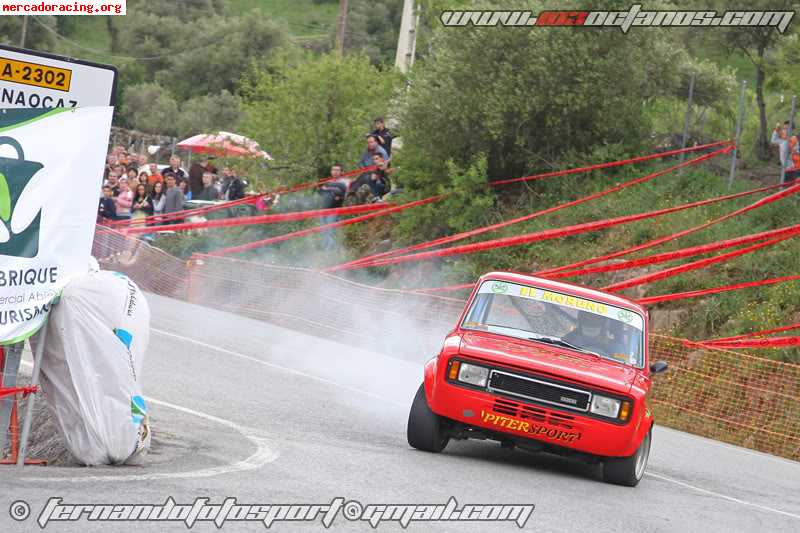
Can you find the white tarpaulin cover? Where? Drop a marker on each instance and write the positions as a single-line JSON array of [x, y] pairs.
[[96, 338]]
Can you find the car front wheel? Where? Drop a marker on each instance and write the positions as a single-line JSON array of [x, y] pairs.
[[628, 470], [425, 428]]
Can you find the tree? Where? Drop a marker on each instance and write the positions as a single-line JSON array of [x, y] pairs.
[[315, 113], [156, 38], [209, 114], [372, 29], [150, 107], [784, 78], [529, 97], [758, 44], [36, 37], [219, 51]]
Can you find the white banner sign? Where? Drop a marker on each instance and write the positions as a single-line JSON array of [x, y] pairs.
[[37, 79], [49, 163]]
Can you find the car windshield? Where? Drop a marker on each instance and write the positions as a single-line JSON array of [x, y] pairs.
[[559, 319]]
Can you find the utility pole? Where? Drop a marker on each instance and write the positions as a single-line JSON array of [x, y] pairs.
[[24, 31], [789, 134], [341, 27], [685, 136], [407, 39], [739, 119]]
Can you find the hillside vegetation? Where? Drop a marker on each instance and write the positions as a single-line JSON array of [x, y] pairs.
[[479, 105]]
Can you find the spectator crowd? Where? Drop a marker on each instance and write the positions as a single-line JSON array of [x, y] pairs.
[[135, 187], [370, 186]]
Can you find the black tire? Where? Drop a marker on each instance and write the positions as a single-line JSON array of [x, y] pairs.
[[425, 428], [629, 471]]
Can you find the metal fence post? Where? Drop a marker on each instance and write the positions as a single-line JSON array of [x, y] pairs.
[[26, 423], [788, 143], [8, 378], [738, 133], [685, 136]]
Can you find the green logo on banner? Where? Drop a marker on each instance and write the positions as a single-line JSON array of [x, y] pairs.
[[15, 174]]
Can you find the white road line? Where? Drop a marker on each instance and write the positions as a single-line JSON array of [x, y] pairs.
[[732, 447], [279, 367], [317, 378], [262, 456], [722, 496], [265, 455]]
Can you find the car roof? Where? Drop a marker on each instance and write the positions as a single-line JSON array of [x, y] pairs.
[[570, 288]]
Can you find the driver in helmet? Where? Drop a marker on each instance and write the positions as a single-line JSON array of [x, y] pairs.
[[590, 333]]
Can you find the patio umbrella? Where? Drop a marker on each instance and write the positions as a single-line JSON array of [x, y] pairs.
[[223, 144]]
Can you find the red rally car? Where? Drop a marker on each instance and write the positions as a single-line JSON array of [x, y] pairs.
[[546, 366]]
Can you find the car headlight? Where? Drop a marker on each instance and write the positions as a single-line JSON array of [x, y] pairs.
[[472, 374], [604, 406]]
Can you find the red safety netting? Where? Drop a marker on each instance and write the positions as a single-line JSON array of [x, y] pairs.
[[655, 242], [728, 147], [10, 393], [260, 219], [680, 254], [179, 215], [650, 300], [317, 229], [761, 333], [673, 236], [493, 227], [600, 166], [772, 342], [720, 394], [695, 265], [729, 396], [546, 234]]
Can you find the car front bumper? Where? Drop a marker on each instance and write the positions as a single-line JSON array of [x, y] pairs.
[[521, 419]]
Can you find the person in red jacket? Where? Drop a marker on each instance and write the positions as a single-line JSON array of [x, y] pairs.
[[790, 174]]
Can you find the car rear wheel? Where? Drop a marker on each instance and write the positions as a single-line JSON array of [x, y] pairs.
[[425, 428], [628, 470]]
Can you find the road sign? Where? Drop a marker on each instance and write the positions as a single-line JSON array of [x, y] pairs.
[[37, 79]]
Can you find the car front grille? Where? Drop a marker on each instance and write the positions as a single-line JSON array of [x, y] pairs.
[[539, 390], [535, 414]]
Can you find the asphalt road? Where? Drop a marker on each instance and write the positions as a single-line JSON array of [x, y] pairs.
[[246, 410]]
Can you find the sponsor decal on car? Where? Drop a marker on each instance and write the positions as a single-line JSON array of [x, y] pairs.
[[529, 428], [625, 316], [577, 303], [498, 287]]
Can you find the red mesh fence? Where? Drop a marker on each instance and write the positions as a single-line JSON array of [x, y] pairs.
[[737, 398], [732, 397]]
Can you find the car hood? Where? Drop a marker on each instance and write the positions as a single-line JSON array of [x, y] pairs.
[[552, 361]]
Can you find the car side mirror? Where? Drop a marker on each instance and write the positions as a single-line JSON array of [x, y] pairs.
[[658, 367]]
